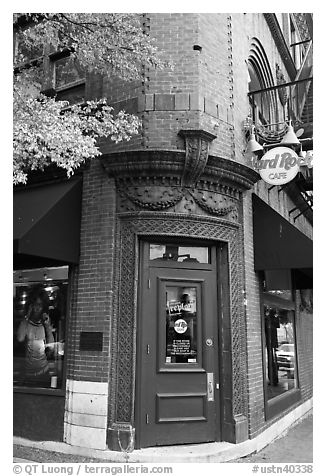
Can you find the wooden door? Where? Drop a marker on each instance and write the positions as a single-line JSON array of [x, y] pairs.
[[177, 391]]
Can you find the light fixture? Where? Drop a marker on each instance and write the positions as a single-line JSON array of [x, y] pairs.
[[290, 138], [301, 154], [299, 132], [253, 150], [253, 146]]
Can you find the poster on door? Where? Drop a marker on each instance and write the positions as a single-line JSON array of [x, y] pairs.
[[181, 324]]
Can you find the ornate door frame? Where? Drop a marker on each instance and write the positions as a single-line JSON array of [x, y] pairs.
[[185, 194], [233, 339]]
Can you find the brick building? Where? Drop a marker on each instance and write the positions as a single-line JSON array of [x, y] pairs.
[[179, 280]]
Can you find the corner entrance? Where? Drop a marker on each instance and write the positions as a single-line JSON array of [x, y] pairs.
[[178, 380]]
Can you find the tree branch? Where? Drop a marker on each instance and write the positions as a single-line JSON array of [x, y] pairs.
[[83, 24]]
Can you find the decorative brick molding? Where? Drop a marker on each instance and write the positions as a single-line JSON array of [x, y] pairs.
[[183, 194], [197, 150], [162, 194], [171, 163], [123, 371], [148, 102], [189, 182]]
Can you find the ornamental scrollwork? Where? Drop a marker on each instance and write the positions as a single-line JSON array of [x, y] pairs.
[[197, 151], [171, 198], [179, 199], [213, 210]]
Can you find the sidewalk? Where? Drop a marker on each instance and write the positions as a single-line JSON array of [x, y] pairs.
[[295, 445]]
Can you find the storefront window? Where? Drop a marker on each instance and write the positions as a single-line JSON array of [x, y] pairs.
[[181, 324], [280, 350], [40, 306]]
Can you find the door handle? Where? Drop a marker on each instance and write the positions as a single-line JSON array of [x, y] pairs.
[[210, 387]]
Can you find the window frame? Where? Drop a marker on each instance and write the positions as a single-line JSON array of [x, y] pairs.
[[54, 391], [50, 88]]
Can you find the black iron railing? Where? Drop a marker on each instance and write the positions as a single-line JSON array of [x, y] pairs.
[[273, 107]]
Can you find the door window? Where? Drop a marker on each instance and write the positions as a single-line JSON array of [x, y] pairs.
[[181, 254]]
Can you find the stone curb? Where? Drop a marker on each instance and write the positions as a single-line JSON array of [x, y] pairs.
[[199, 453]]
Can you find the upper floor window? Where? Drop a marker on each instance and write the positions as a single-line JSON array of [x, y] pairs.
[[68, 79]]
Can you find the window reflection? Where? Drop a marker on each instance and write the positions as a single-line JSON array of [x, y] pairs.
[[39, 327], [181, 324], [280, 352], [172, 252]]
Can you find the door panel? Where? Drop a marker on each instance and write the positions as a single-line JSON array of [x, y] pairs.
[[177, 364]]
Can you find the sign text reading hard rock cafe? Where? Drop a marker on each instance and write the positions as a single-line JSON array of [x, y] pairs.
[[280, 165]]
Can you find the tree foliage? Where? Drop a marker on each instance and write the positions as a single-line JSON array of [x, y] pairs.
[[49, 131]]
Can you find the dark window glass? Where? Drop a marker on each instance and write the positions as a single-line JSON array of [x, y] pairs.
[[74, 95], [26, 53], [39, 321], [69, 80]]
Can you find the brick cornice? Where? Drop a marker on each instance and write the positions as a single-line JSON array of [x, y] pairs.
[[151, 163]]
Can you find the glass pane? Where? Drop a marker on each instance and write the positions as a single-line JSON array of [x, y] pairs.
[[181, 324], [29, 52], [195, 254], [66, 72], [280, 351], [40, 303], [278, 282], [74, 95], [282, 293]]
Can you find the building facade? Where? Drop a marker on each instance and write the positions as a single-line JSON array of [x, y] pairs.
[[179, 281]]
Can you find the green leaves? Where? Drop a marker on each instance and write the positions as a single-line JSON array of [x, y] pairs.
[[44, 134], [109, 44], [104, 43]]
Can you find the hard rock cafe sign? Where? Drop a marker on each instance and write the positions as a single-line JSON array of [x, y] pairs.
[[280, 165]]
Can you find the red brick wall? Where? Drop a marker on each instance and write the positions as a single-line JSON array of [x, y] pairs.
[[92, 281], [305, 348], [207, 89], [255, 387]]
